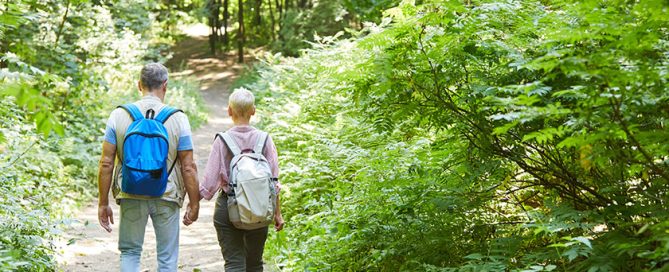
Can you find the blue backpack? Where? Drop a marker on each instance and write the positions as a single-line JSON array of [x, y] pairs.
[[145, 151]]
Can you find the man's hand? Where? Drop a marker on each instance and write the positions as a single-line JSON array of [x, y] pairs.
[[189, 173], [278, 221], [105, 216], [192, 213]]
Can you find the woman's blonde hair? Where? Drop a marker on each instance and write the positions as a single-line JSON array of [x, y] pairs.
[[242, 102]]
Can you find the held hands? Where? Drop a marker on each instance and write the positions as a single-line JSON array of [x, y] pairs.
[[105, 216], [192, 212]]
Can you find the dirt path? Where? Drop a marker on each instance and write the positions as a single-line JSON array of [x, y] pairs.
[[93, 249]]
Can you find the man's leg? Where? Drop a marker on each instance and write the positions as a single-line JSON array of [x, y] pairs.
[[255, 244], [230, 238], [134, 215], [165, 218]]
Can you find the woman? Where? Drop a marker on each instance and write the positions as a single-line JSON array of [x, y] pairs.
[[242, 249]]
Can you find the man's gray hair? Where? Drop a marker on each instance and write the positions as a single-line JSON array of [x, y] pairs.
[[153, 75]]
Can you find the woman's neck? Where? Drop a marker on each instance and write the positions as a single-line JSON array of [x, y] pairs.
[[241, 122]]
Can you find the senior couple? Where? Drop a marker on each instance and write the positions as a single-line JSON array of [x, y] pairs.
[[241, 249]]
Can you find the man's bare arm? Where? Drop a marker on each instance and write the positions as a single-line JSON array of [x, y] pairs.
[[189, 173], [105, 172]]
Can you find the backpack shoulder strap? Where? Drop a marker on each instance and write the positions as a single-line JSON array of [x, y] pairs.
[[234, 148], [166, 113], [133, 111], [260, 142]]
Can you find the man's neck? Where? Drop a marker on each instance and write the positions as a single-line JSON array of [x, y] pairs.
[[153, 94]]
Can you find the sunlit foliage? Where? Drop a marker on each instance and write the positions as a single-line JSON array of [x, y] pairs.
[[477, 136]]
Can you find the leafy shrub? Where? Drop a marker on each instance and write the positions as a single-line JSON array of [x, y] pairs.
[[514, 135], [299, 27]]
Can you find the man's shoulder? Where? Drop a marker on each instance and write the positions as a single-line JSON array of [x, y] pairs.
[[121, 109], [177, 124], [120, 114], [179, 116], [116, 113]]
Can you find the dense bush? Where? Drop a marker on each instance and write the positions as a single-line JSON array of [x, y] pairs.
[[513, 135]]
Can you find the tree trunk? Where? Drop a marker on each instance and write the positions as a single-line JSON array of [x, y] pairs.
[[257, 19], [219, 25], [213, 23], [279, 9], [271, 16], [226, 17], [240, 38], [280, 6]]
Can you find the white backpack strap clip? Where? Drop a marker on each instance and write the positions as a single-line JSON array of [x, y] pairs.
[[260, 142], [234, 148]]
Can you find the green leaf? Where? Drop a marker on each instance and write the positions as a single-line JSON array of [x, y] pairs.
[[505, 128], [573, 141], [545, 135], [642, 229], [474, 256], [571, 254], [583, 240]]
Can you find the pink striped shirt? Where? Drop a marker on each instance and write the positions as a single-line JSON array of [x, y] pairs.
[[218, 166]]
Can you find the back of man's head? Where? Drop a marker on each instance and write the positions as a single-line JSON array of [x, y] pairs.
[[153, 76]]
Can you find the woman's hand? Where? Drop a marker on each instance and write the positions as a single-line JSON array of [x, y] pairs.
[[278, 222]]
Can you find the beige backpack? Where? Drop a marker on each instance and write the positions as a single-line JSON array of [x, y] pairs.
[[252, 197]]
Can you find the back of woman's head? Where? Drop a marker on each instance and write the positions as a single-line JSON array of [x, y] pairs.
[[242, 103]]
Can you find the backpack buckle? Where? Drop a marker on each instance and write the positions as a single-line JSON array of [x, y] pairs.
[[156, 173], [150, 114]]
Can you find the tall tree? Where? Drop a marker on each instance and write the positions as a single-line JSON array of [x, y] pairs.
[[226, 17], [272, 20], [240, 35], [214, 6], [279, 9], [280, 5], [257, 18]]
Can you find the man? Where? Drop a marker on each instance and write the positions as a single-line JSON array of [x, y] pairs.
[[136, 209]]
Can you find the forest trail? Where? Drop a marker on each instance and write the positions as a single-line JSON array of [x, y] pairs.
[[93, 249]]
